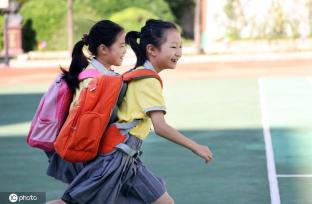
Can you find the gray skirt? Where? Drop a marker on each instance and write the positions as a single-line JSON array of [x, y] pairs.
[[115, 178], [62, 170]]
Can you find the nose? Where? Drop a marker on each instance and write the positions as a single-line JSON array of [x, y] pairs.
[[179, 52]]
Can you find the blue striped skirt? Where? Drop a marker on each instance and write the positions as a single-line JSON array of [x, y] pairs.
[[62, 170], [115, 178]]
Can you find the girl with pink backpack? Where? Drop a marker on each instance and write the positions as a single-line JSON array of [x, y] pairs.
[[106, 44]]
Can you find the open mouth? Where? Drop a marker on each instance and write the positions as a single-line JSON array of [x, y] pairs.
[[174, 60]]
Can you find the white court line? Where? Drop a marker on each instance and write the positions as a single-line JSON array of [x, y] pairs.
[[294, 175], [274, 190]]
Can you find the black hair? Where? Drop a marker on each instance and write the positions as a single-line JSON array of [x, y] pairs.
[[153, 32], [103, 32]]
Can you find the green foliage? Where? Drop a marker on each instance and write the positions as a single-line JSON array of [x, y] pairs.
[[294, 27], [229, 9], [278, 27], [236, 19], [22, 1], [1, 33], [233, 33], [107, 7], [46, 17], [84, 19], [309, 5], [49, 22], [179, 7], [132, 18], [29, 41]]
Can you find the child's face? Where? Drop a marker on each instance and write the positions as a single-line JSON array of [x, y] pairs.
[[116, 51], [170, 51]]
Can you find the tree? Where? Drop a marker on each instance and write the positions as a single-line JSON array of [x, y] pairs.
[[70, 32]]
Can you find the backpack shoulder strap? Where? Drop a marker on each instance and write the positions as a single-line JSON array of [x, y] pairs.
[[140, 74], [89, 73]]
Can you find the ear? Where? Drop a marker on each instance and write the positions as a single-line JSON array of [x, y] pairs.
[[102, 49], [151, 50]]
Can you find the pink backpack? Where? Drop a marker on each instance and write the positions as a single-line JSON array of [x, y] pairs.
[[52, 112]]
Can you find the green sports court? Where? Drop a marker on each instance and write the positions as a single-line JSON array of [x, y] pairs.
[[258, 127]]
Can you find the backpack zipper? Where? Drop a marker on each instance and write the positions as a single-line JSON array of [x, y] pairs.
[[83, 98]]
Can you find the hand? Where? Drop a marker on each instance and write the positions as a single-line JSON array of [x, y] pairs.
[[204, 152]]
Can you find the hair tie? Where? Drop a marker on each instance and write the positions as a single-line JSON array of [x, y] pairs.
[[85, 39]]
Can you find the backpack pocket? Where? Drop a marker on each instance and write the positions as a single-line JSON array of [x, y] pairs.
[[45, 129], [44, 134], [87, 131], [85, 140]]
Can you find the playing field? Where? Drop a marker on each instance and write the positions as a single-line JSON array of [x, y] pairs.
[[255, 117]]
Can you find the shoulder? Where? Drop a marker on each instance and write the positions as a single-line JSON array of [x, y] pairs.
[[149, 83]]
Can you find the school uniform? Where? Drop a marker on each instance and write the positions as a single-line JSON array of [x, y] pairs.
[[58, 168], [116, 177]]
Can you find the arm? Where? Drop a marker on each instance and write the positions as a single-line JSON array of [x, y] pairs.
[[166, 131]]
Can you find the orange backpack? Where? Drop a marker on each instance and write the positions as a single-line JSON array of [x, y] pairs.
[[85, 132]]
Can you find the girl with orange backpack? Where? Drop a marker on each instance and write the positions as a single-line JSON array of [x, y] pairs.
[[119, 176], [106, 44]]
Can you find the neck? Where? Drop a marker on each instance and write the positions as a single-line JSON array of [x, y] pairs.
[[106, 65], [155, 65]]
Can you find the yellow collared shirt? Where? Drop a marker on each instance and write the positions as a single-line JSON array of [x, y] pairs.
[[142, 96]]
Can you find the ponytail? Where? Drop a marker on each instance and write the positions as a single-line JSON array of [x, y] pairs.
[[79, 62], [131, 39], [103, 32], [154, 33]]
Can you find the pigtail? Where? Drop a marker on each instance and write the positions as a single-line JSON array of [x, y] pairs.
[[78, 64], [103, 32], [152, 33], [131, 39]]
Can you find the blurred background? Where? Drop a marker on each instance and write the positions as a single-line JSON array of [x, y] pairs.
[[33, 27], [243, 87]]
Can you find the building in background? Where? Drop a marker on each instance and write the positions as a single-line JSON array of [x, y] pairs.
[[12, 29], [255, 24]]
